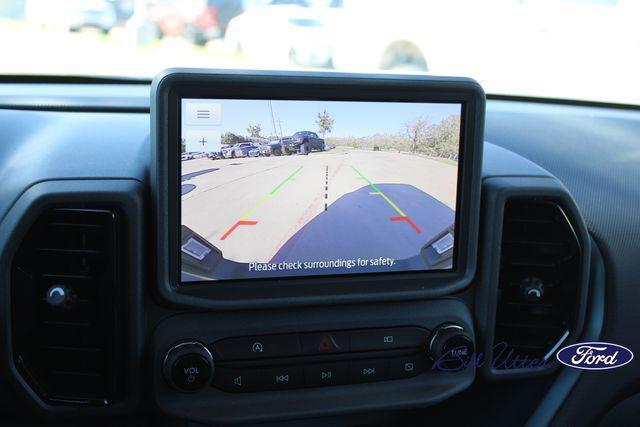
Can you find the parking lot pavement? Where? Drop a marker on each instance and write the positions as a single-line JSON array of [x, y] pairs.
[[250, 208]]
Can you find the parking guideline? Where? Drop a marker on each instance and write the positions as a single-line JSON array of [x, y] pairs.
[[269, 194], [377, 191], [289, 178], [243, 219]]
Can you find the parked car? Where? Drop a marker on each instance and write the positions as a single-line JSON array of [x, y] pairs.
[[242, 149], [256, 150], [195, 20], [214, 155], [228, 151], [186, 156], [284, 32], [406, 45], [96, 14], [226, 11], [537, 32], [303, 142], [271, 148]]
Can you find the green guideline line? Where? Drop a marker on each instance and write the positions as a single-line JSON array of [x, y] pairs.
[[268, 195], [289, 178], [378, 191]]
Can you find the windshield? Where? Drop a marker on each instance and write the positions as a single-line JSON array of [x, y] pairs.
[[574, 49]]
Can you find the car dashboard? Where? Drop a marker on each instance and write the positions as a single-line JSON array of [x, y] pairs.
[[559, 201]]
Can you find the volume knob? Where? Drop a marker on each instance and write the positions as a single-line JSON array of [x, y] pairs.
[[188, 366]]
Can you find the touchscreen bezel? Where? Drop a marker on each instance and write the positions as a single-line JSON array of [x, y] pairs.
[[174, 85]]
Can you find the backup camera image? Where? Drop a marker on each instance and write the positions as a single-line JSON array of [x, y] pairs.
[[282, 188]]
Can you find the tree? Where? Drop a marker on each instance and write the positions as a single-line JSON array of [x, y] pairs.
[[416, 132], [231, 138], [444, 137], [183, 145], [325, 123], [254, 130]]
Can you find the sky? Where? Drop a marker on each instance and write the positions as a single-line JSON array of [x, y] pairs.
[[356, 119]]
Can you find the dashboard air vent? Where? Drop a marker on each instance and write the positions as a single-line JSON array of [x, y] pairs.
[[539, 277], [66, 300]]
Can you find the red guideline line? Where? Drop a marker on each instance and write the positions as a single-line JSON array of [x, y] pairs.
[[236, 225], [406, 218]]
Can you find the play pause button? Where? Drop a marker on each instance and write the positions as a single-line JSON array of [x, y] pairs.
[[327, 374]]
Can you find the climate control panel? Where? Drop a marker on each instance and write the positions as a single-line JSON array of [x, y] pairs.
[[285, 361], [240, 367], [289, 361]]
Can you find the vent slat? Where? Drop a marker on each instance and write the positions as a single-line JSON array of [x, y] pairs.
[[70, 251], [540, 252], [529, 346], [65, 276], [529, 220], [77, 374], [75, 225], [519, 305], [70, 353], [533, 264], [75, 349], [526, 326], [62, 323]]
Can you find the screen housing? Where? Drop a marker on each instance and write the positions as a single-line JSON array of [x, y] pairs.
[[174, 85]]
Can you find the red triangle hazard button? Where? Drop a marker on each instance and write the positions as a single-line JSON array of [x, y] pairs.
[[328, 343]]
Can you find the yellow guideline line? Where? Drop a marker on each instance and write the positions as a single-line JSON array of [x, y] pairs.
[[376, 189], [255, 207], [268, 195]]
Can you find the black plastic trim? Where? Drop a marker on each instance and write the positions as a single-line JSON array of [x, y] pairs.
[[174, 84], [560, 101], [568, 377], [221, 408], [496, 192], [71, 108], [79, 79], [128, 196]]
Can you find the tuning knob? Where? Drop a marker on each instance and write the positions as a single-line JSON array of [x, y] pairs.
[[188, 366], [450, 346], [61, 297]]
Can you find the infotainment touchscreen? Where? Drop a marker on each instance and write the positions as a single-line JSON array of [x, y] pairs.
[[290, 188]]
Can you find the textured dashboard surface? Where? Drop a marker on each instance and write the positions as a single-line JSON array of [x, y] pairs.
[[42, 145], [595, 152]]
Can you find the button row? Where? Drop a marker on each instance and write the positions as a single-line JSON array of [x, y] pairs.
[[258, 347], [335, 373]]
